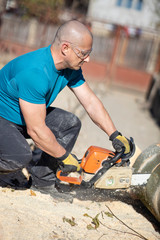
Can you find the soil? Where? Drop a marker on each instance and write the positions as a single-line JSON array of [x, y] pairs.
[[105, 214]]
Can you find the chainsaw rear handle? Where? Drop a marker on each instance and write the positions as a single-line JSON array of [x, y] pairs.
[[64, 177]]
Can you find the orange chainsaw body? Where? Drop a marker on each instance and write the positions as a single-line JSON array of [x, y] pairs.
[[91, 162], [94, 157]]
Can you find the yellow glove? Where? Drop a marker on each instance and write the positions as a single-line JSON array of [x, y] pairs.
[[69, 163], [119, 141]]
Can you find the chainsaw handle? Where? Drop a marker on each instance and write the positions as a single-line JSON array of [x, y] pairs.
[[125, 157], [117, 156], [64, 177], [132, 150]]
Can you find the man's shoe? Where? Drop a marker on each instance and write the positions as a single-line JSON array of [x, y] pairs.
[[51, 190], [15, 180]]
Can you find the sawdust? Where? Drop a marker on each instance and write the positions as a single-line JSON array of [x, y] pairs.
[[27, 215]]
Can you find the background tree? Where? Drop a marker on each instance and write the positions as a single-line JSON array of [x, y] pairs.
[[80, 6], [46, 11]]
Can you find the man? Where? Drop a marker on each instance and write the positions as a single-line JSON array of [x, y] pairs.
[[28, 86]]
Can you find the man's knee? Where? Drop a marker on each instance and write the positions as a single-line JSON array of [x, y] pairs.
[[61, 120], [75, 121], [12, 163]]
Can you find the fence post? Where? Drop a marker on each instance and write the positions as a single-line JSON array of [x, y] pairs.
[[154, 55], [114, 54], [33, 26]]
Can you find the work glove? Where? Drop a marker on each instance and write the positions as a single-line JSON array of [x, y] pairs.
[[68, 163], [119, 141]]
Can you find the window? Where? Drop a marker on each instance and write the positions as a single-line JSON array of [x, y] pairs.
[[139, 5], [129, 4], [119, 3], [124, 3]]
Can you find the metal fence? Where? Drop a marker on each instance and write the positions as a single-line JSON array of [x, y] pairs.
[[102, 48], [134, 52], [15, 30], [30, 33]]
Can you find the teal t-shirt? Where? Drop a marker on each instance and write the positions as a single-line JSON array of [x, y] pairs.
[[33, 78]]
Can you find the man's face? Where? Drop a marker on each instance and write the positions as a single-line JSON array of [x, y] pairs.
[[80, 53]]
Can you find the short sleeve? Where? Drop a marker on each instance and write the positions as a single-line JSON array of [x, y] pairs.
[[32, 86], [76, 79]]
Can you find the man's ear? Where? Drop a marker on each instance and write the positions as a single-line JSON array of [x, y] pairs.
[[64, 48]]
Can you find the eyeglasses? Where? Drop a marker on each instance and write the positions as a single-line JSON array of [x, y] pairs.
[[82, 54]]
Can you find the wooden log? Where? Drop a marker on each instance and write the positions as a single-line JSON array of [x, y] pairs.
[[149, 194]]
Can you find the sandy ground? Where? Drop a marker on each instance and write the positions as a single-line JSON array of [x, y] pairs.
[[35, 216], [31, 215]]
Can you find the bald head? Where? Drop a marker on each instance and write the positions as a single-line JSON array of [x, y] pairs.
[[72, 31]]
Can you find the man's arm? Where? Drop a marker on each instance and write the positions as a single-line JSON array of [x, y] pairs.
[[34, 116], [94, 108], [100, 116]]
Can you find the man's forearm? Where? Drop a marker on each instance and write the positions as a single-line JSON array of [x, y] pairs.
[[46, 141], [94, 108], [34, 116], [101, 118]]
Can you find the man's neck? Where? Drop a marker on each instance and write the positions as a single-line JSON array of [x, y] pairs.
[[58, 61]]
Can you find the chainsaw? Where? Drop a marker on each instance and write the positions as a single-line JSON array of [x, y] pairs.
[[102, 168]]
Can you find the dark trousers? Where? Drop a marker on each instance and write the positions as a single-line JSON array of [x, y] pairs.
[[15, 153]]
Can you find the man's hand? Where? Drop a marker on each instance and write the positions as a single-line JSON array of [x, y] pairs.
[[68, 163], [119, 141]]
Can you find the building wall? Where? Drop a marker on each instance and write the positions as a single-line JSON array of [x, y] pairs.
[[121, 12]]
